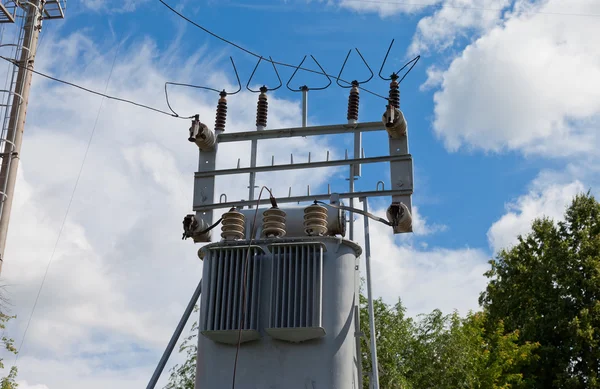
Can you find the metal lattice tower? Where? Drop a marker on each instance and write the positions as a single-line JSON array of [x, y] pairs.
[[24, 20]]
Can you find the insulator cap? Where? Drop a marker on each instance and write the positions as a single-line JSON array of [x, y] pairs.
[[274, 223], [395, 94], [262, 108], [353, 102], [315, 220], [233, 225], [221, 112]]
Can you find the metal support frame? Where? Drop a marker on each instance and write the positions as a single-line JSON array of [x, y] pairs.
[[374, 365], [400, 166], [175, 337], [401, 180]]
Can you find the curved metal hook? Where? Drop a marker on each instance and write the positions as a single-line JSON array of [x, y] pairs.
[[344, 65], [395, 74], [252, 75], [304, 87]]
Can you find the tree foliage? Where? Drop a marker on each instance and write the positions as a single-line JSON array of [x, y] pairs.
[[183, 376], [548, 287], [442, 351], [8, 382]]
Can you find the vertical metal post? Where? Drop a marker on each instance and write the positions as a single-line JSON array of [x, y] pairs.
[[375, 368], [354, 172], [304, 105], [252, 182], [16, 124], [182, 322]]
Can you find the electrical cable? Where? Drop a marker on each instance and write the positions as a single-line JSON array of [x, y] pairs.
[[253, 232], [64, 221], [258, 55], [16, 63], [356, 210]]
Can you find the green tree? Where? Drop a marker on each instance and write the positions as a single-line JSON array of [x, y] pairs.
[[7, 382], [183, 376], [548, 288], [442, 351]]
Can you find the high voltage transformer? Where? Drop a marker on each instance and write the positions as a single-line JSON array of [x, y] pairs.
[[280, 292], [279, 298]]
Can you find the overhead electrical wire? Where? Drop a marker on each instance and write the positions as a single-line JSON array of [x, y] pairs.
[[264, 58], [64, 221], [16, 63]]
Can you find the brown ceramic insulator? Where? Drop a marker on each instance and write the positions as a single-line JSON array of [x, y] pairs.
[[262, 108], [221, 113], [353, 101], [395, 93]]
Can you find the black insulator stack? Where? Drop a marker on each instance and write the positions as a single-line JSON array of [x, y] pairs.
[[353, 101], [221, 112], [395, 92], [262, 108]]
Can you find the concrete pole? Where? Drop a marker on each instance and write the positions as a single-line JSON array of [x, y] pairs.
[[16, 124]]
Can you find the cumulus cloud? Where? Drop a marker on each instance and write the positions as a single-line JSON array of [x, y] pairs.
[[121, 275], [455, 20], [425, 279], [527, 85], [545, 199]]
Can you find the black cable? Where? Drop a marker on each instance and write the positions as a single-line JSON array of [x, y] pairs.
[[16, 63], [244, 276], [356, 210], [258, 55]]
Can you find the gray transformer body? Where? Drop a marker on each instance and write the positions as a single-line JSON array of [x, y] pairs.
[[299, 325]]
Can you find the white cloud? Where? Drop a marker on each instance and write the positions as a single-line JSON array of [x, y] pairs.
[[454, 20], [121, 275], [527, 85], [436, 278], [25, 385], [545, 199]]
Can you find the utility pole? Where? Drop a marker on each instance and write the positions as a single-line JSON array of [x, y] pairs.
[[34, 11]]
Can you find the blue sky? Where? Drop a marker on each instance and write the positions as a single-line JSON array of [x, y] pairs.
[[287, 32], [503, 110]]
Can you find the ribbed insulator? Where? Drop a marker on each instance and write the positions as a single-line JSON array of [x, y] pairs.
[[395, 93], [262, 109], [274, 223], [233, 225], [315, 220], [221, 113], [353, 101]]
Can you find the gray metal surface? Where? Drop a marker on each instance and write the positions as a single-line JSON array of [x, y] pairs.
[[336, 221], [373, 337], [227, 300], [307, 165], [304, 107], [175, 337], [324, 363], [296, 285], [300, 131], [299, 199]]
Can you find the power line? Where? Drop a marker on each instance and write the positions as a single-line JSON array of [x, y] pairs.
[[445, 5], [260, 56], [60, 231], [16, 63]]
